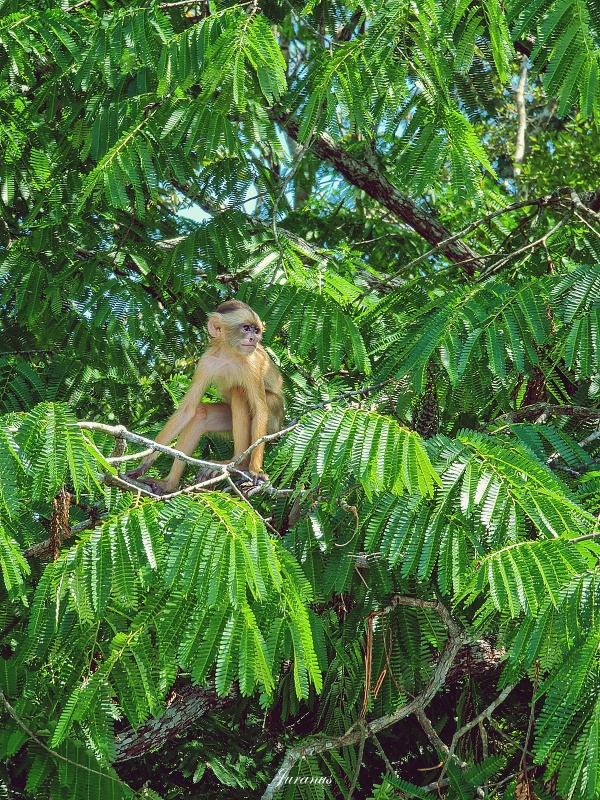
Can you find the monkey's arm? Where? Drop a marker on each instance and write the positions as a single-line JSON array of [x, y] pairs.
[[265, 399], [259, 413]]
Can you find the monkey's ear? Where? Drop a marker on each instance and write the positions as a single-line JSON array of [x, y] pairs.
[[215, 325]]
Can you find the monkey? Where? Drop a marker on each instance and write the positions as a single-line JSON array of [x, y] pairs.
[[247, 380]]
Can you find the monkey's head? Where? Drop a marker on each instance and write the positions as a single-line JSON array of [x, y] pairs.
[[238, 327]]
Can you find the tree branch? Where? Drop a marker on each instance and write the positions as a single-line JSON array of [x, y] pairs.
[[365, 176], [42, 549], [541, 411], [54, 753], [485, 714], [435, 739], [121, 432]]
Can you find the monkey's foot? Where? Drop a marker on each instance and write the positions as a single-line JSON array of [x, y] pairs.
[[157, 486], [250, 478]]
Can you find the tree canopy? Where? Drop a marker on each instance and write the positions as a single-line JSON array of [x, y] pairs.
[[407, 194]]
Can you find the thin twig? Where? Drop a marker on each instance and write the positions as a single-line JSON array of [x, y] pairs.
[[577, 202], [121, 431], [359, 758], [507, 737], [468, 726], [78, 5], [245, 500], [485, 751], [586, 538], [531, 722], [307, 24], [529, 246], [540, 202], [181, 3], [25, 352], [591, 438], [43, 548], [587, 224], [388, 764], [433, 736], [130, 456], [547, 409]]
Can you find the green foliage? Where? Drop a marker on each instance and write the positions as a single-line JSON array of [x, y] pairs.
[[340, 447], [318, 163], [567, 46], [201, 578]]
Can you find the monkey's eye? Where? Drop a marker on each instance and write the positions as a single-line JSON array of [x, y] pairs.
[[246, 328]]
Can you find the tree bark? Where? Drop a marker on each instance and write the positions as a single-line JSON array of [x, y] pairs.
[[186, 705]]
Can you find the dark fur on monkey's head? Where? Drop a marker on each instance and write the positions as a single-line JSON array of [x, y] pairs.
[[238, 312]]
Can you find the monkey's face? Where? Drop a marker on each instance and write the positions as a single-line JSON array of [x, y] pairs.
[[239, 329], [248, 337]]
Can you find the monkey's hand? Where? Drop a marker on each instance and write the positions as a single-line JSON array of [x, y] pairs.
[[157, 486]]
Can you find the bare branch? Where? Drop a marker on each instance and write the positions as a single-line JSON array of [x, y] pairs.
[[120, 431], [54, 753], [531, 722], [359, 757], [485, 714], [25, 352], [78, 5], [42, 549], [551, 200], [583, 207], [544, 118], [388, 766], [541, 411], [245, 500], [130, 456], [434, 738], [493, 268]]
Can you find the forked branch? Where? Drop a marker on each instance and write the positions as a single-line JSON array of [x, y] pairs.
[[457, 638]]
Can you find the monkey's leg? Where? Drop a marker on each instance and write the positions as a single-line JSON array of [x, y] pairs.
[[180, 420], [208, 418]]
